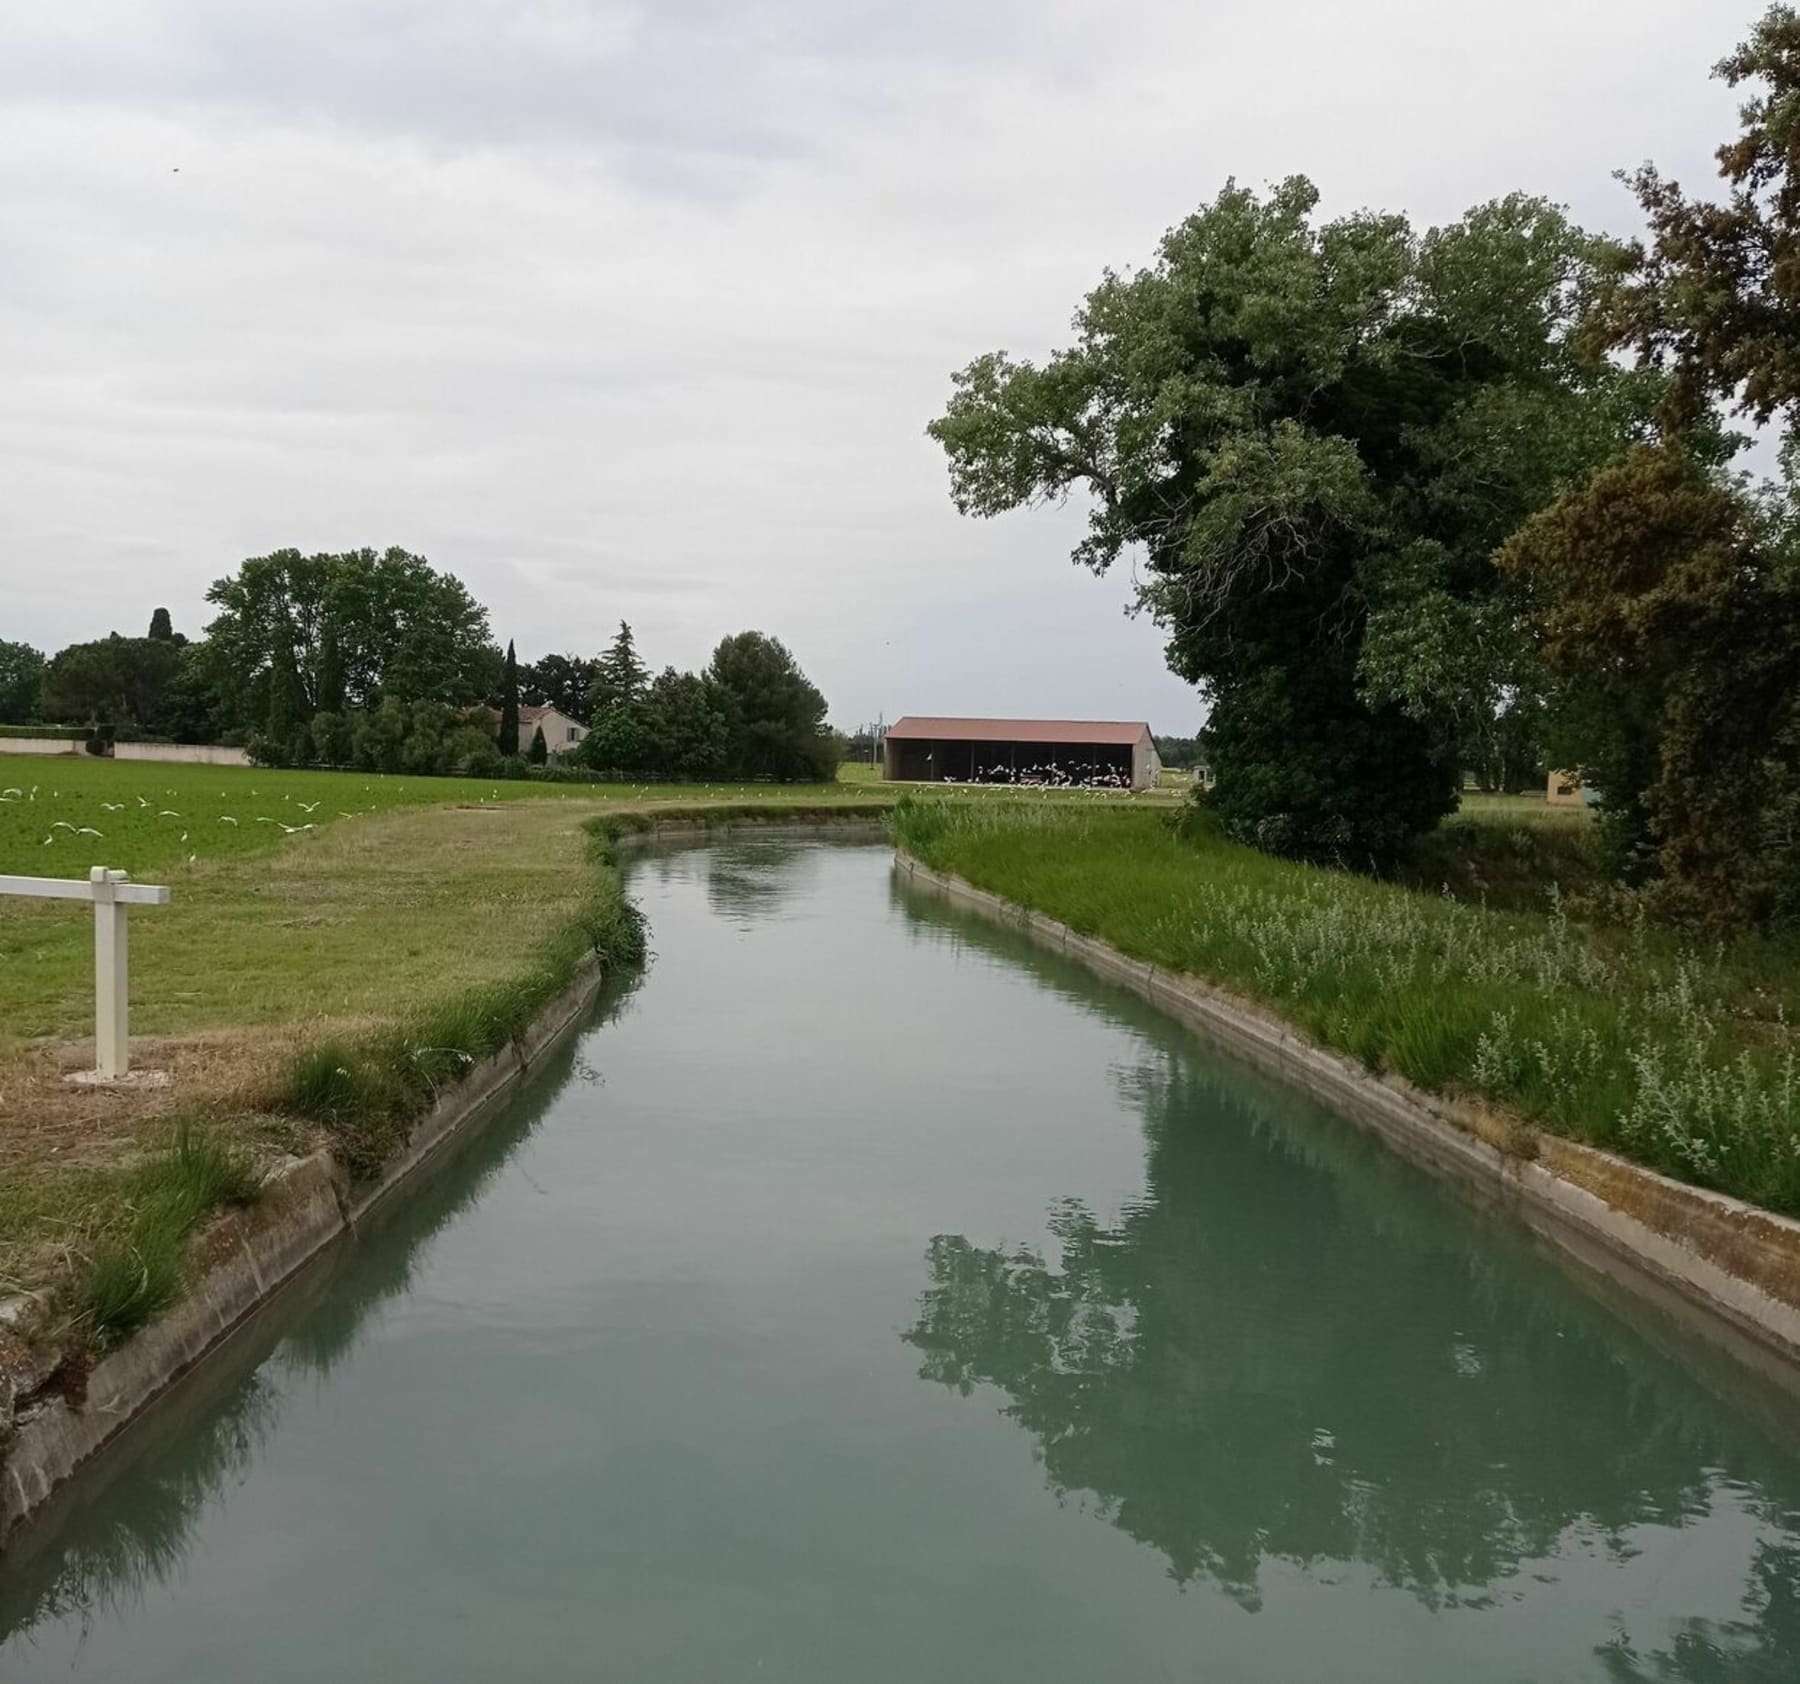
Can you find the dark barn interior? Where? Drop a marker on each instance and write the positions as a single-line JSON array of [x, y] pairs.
[[1114, 753]]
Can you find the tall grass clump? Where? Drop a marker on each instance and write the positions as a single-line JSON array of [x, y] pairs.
[[136, 1267], [1630, 1038]]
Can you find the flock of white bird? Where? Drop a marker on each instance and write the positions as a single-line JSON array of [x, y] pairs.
[[1052, 776], [16, 794]]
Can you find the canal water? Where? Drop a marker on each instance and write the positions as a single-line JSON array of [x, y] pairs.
[[866, 1296]]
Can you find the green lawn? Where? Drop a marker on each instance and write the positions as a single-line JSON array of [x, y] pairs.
[[1684, 1058]]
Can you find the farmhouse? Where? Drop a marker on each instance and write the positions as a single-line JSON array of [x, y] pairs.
[[920, 749], [561, 733]]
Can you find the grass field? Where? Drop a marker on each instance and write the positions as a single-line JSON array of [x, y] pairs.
[[1686, 1059]]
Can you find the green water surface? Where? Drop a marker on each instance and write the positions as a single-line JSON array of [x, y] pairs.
[[868, 1297]]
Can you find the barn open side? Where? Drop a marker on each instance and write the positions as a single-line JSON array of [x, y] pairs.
[[1114, 753]]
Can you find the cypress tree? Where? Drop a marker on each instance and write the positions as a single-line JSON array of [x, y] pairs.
[[540, 750], [161, 627], [509, 705]]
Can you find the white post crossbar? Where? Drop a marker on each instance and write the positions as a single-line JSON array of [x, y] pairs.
[[111, 894]]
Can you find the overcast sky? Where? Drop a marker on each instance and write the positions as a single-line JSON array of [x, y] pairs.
[[640, 310]]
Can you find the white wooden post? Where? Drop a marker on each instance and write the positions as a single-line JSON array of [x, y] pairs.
[[112, 966], [111, 894]]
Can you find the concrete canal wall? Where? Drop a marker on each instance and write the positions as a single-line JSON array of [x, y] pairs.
[[1738, 1266]]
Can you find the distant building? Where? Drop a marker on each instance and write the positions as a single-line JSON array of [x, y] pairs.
[[561, 733], [1121, 754], [1565, 789]]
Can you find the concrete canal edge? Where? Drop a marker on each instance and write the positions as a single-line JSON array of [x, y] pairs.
[[1680, 1246], [307, 1207]]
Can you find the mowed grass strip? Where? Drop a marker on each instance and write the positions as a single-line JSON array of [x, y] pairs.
[[1684, 1058]]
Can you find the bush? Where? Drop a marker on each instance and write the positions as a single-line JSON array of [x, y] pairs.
[[483, 762]]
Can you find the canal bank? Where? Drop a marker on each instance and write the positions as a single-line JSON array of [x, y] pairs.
[[58, 1421], [1737, 1266]]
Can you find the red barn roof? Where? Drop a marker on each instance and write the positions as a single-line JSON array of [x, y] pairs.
[[1118, 732]]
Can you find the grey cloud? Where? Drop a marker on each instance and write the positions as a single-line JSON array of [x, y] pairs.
[[643, 310], [733, 82]]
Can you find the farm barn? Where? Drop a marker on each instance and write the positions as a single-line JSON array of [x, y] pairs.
[[1028, 751]]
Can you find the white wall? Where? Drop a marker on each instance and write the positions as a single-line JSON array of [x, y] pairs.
[[191, 754]]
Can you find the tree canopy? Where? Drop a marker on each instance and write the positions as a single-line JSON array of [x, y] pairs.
[[774, 714], [619, 676], [21, 682], [398, 628], [1317, 434], [112, 680], [1669, 610], [563, 682], [1715, 296]]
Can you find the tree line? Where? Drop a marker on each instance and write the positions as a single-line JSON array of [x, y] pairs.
[[1418, 504], [379, 661]]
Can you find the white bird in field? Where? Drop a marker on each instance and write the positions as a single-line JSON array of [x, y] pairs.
[[87, 830], [142, 802], [112, 806], [289, 829], [184, 836], [61, 824], [343, 815], [306, 806], [11, 790], [49, 839], [168, 813], [268, 821], [226, 818]]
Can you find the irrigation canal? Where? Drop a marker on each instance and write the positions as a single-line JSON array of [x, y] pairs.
[[867, 1296]]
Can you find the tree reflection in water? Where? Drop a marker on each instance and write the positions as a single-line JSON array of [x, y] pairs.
[[1289, 1349]]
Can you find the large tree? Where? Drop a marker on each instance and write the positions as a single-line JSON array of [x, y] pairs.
[[774, 714], [1669, 608], [687, 724], [1715, 295], [112, 680], [1666, 592], [399, 628], [1316, 435], [563, 682], [21, 681], [619, 675]]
